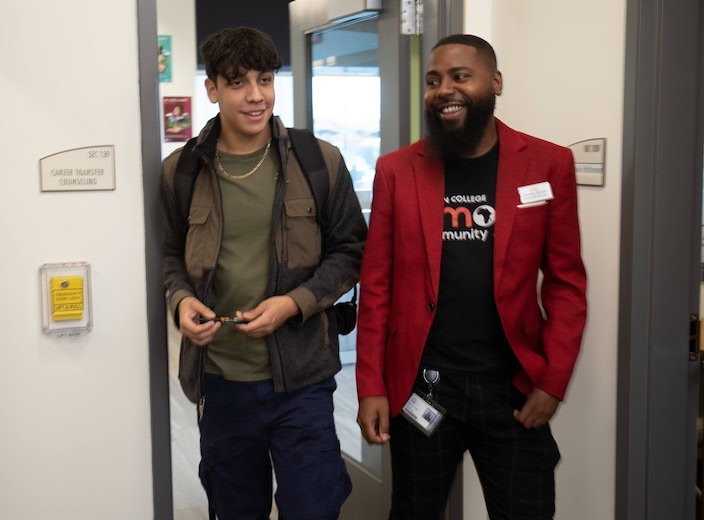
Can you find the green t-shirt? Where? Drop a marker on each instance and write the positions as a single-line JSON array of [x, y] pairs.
[[242, 272]]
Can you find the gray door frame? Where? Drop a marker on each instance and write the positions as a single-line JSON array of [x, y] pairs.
[[660, 260], [156, 304]]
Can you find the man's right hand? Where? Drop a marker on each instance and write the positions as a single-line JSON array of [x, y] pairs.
[[190, 310], [373, 419]]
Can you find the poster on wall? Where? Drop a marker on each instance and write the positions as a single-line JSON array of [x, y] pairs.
[[165, 58], [177, 119]]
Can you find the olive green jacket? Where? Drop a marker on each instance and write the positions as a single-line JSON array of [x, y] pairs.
[[304, 350]]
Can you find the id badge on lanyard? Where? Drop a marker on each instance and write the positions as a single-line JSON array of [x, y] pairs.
[[421, 410]]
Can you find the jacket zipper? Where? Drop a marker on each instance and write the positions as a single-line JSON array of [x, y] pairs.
[[208, 287], [282, 224]]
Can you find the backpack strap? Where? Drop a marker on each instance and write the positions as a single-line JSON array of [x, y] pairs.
[[310, 157]]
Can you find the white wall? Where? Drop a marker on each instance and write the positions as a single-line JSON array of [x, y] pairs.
[[75, 441], [563, 71]]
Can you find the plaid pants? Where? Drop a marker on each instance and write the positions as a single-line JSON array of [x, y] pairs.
[[515, 465]]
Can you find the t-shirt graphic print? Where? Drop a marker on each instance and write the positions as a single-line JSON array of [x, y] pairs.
[[467, 220], [466, 334]]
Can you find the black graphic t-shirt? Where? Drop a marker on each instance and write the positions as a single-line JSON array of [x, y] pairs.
[[466, 334]]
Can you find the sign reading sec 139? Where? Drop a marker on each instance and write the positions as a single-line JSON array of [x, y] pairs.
[[81, 169], [99, 153]]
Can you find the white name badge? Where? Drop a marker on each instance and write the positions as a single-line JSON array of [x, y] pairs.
[[539, 192], [423, 413]]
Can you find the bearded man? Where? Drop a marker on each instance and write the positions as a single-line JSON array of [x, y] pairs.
[[457, 351]]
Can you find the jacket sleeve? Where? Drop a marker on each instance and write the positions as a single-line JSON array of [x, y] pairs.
[[375, 291], [173, 240], [344, 232], [563, 291]]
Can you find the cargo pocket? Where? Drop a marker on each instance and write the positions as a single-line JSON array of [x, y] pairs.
[[200, 244], [302, 233]]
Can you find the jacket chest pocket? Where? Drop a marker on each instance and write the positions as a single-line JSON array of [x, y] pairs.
[[302, 234], [201, 240], [531, 224]]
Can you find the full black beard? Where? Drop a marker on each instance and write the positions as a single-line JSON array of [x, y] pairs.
[[463, 140]]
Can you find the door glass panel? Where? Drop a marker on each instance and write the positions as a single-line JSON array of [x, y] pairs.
[[346, 107]]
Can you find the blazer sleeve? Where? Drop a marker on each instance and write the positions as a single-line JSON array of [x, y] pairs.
[[375, 290]]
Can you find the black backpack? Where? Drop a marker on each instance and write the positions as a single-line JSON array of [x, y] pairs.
[[310, 157]]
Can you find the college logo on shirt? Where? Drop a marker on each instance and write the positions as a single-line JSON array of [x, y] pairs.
[[464, 223]]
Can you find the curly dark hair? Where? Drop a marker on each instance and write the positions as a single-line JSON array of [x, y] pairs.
[[483, 47], [232, 52]]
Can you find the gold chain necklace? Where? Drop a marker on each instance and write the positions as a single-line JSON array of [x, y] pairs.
[[250, 172]]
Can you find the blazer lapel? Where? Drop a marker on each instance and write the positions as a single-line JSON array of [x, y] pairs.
[[510, 175], [430, 190]]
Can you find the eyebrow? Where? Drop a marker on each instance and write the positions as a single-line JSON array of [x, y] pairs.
[[453, 70]]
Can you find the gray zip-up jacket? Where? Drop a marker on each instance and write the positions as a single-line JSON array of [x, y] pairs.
[[304, 350]]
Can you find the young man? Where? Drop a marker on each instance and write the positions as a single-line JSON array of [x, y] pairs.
[[450, 326], [250, 249]]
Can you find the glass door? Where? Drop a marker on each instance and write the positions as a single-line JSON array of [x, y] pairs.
[[346, 111], [351, 88]]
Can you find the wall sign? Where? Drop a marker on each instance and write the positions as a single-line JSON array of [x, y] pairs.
[[589, 159], [81, 169]]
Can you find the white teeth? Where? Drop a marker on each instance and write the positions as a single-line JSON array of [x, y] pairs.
[[450, 109]]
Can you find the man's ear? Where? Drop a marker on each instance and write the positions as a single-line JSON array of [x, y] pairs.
[[212, 90], [498, 83]]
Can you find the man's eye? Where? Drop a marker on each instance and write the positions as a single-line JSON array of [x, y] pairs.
[[431, 82]]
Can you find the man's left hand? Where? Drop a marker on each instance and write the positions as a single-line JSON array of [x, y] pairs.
[[537, 410], [268, 316]]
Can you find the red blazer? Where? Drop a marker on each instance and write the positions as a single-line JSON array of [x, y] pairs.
[[400, 274]]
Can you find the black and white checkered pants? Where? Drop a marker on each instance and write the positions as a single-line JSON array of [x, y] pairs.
[[515, 465]]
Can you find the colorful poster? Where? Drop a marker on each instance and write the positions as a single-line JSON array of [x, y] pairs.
[[164, 58], [177, 119]]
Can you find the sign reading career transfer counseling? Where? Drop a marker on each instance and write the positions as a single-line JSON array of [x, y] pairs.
[[82, 169]]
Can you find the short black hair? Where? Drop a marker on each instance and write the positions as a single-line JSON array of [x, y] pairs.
[[231, 52], [483, 47]]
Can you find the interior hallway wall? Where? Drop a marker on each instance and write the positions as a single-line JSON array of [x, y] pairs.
[[75, 441], [178, 19], [563, 72]]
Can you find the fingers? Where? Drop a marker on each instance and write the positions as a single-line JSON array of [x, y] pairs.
[[202, 334], [373, 419], [189, 310], [382, 428], [537, 410], [259, 322], [266, 317]]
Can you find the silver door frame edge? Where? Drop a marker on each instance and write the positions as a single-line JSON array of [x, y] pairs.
[[156, 308]]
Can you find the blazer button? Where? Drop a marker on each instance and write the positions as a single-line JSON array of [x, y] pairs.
[[431, 306]]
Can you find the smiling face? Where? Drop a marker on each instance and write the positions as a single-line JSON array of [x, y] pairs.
[[246, 103], [460, 92]]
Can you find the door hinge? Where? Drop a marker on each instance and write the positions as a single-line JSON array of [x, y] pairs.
[[412, 17], [695, 349]]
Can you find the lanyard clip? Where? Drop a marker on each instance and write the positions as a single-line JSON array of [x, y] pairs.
[[431, 377]]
